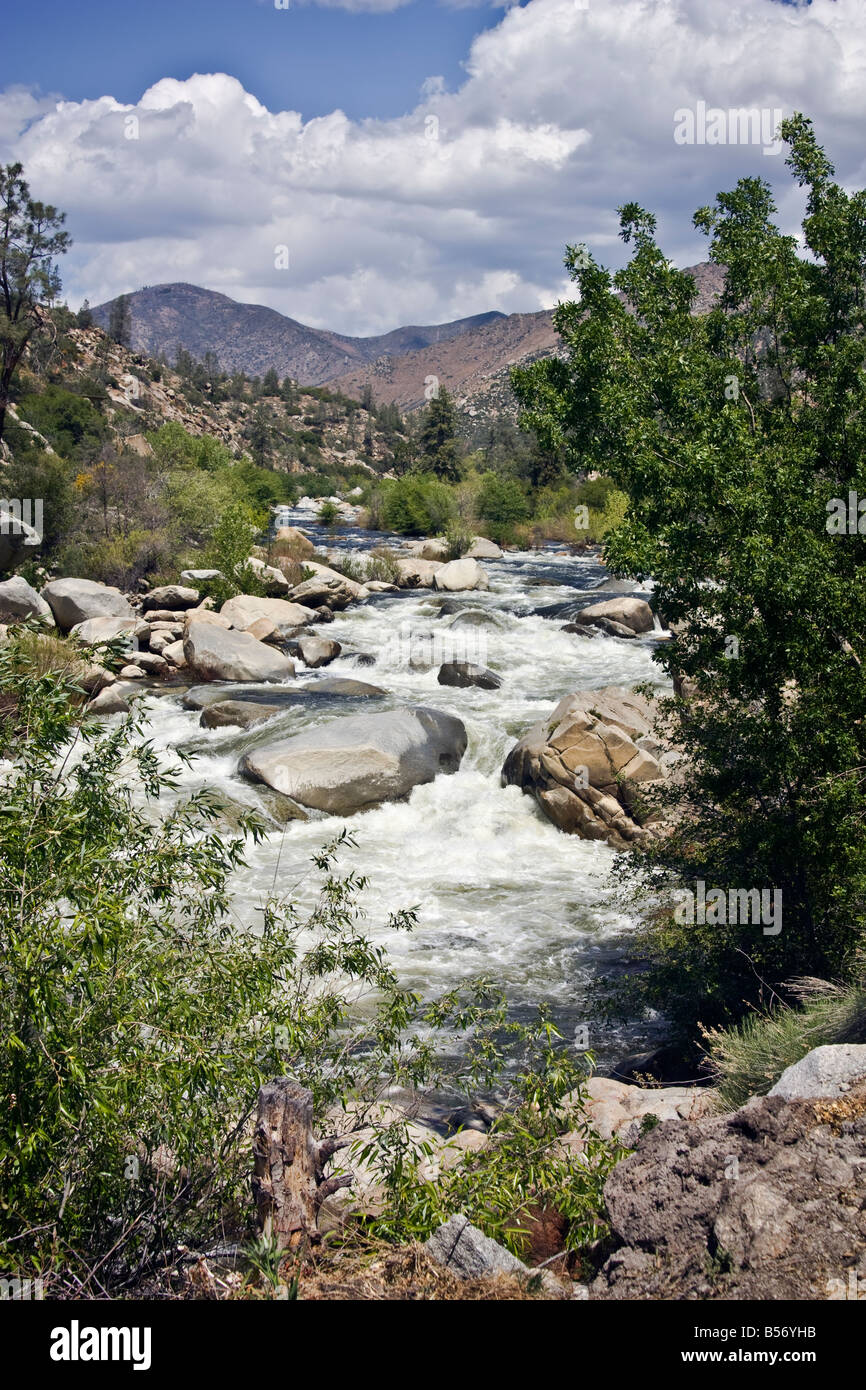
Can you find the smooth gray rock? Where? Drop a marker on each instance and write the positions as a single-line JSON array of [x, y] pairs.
[[466, 673], [460, 574], [470, 1254], [200, 576], [96, 630], [19, 601], [825, 1071], [73, 601], [362, 759], [240, 714], [631, 613], [219, 654], [318, 651], [171, 597]]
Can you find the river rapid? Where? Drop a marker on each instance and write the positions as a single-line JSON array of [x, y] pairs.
[[498, 889]]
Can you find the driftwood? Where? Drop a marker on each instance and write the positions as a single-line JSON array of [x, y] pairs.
[[289, 1184]]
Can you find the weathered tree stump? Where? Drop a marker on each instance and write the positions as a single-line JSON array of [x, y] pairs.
[[289, 1184]]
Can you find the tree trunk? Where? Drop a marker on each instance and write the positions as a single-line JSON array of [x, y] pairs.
[[289, 1185]]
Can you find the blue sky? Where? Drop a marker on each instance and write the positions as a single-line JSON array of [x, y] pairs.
[[358, 166], [307, 57]]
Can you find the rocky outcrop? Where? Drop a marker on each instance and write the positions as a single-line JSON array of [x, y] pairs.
[[214, 654], [18, 601], [766, 1203], [584, 764], [460, 574], [356, 762], [75, 600], [466, 673]]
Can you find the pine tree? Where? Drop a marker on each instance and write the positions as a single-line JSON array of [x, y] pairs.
[[119, 325]]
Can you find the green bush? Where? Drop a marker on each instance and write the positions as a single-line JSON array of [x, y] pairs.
[[418, 504]]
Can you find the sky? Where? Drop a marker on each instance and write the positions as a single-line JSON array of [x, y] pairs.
[[360, 164]]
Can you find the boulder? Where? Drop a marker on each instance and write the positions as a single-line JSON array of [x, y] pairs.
[[174, 653], [273, 579], [197, 577], [205, 615], [436, 549], [465, 673], [111, 700], [582, 764], [170, 597], [318, 651], [825, 1071], [460, 574], [132, 673], [19, 601], [241, 714], [73, 601], [631, 613], [416, 573], [246, 609], [152, 663], [345, 685], [214, 654], [760, 1204], [467, 1252], [96, 630], [357, 761], [302, 546], [483, 549], [328, 588]]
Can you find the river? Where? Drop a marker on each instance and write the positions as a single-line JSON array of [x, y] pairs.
[[498, 889]]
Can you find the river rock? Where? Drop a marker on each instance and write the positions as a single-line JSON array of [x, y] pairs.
[[465, 673], [111, 700], [435, 549], [205, 615], [416, 573], [216, 655], [318, 651], [825, 1071], [466, 1251], [152, 663], [631, 613], [96, 630], [345, 685], [174, 653], [75, 600], [242, 714], [272, 579], [581, 763], [760, 1204], [133, 672], [328, 589], [483, 549], [19, 601], [357, 761], [170, 598], [460, 574], [245, 609]]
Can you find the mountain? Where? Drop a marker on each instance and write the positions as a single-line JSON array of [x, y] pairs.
[[253, 338]]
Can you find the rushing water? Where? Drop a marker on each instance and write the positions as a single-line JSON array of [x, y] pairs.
[[498, 889]]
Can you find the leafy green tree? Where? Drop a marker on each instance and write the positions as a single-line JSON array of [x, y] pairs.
[[739, 436], [31, 239]]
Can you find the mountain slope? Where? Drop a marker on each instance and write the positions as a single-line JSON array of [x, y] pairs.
[[252, 338]]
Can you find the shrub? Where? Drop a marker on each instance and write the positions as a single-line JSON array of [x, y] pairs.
[[417, 504]]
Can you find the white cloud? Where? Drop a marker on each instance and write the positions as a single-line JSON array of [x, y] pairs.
[[567, 111]]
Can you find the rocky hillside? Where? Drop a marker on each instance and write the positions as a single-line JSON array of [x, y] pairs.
[[253, 338]]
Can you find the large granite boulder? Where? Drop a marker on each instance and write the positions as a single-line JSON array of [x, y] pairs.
[[18, 601], [460, 574], [214, 654], [96, 630], [416, 573], [583, 763], [75, 600], [327, 588], [358, 761], [466, 673], [632, 614], [483, 549], [318, 651]]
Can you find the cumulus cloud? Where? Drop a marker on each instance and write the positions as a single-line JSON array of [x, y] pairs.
[[464, 204]]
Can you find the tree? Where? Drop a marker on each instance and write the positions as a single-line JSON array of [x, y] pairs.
[[270, 383], [739, 436], [119, 325], [85, 315], [438, 442], [31, 239]]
